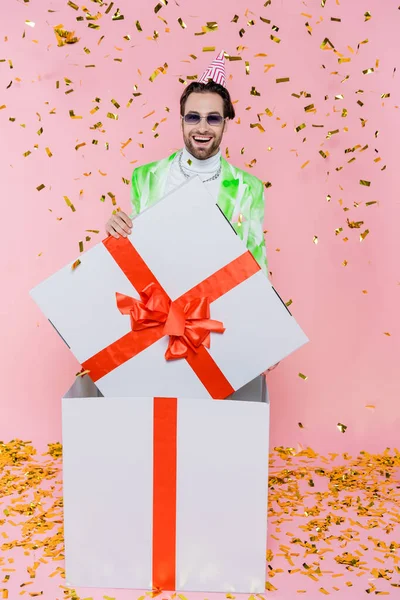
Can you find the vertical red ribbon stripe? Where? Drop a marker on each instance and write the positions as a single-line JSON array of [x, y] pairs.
[[164, 492]]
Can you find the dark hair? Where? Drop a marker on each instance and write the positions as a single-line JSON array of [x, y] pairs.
[[210, 87]]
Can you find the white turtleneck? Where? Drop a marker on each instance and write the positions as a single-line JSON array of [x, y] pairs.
[[203, 168]]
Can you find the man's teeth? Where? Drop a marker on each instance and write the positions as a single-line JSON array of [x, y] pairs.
[[201, 139]]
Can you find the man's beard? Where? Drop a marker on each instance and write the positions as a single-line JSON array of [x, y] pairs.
[[203, 153]]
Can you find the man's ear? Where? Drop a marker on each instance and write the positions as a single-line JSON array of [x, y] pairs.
[[226, 124]]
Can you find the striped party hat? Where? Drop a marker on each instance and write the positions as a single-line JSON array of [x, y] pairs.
[[216, 71]]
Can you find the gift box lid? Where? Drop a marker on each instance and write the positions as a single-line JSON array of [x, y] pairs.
[[184, 258]]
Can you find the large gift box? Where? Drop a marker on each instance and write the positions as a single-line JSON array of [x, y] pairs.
[[166, 493], [180, 308]]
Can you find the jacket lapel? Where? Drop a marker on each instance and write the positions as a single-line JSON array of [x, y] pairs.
[[229, 189], [158, 178]]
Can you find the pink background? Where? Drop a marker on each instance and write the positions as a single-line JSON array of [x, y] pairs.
[[350, 362]]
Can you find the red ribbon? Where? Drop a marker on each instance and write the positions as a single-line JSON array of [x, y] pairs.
[[157, 304], [188, 325]]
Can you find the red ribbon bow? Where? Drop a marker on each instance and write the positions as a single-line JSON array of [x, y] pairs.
[[187, 324]]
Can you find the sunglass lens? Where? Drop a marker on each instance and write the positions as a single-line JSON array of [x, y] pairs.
[[214, 120], [192, 118]]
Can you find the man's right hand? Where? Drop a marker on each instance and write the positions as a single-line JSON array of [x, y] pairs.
[[119, 224]]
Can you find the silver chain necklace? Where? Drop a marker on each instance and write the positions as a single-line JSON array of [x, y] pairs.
[[217, 174]]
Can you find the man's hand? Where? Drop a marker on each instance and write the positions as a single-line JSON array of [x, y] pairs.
[[119, 224]]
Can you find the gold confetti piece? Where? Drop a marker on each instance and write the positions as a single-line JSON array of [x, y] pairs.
[[300, 127], [387, 333], [364, 235], [117, 16], [64, 36], [138, 26], [342, 428], [270, 587], [30, 23], [115, 103], [69, 203], [305, 164], [181, 23], [275, 39], [40, 187], [73, 115], [305, 377], [254, 92], [73, 5], [367, 16], [80, 250], [264, 20], [364, 182], [283, 80], [327, 45], [315, 239], [368, 71], [259, 127], [300, 425], [111, 115], [209, 49], [80, 145], [211, 26], [235, 19], [323, 591], [370, 406], [331, 133]]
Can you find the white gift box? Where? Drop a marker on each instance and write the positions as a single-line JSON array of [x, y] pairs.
[[166, 493], [184, 246]]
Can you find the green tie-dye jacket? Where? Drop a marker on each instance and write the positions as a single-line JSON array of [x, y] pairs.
[[241, 199]]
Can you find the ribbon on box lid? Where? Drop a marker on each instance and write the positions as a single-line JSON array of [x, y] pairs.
[[187, 326], [186, 319]]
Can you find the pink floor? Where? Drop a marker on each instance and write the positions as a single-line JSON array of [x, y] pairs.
[[334, 527]]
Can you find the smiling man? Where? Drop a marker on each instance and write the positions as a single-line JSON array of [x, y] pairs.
[[206, 109]]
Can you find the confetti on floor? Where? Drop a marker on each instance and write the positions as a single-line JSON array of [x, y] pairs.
[[334, 526]]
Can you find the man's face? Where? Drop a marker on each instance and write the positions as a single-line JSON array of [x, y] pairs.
[[203, 140]]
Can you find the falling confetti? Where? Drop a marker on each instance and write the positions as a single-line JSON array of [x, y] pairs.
[[64, 36]]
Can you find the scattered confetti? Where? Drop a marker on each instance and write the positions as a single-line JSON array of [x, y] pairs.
[[64, 36], [69, 203]]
